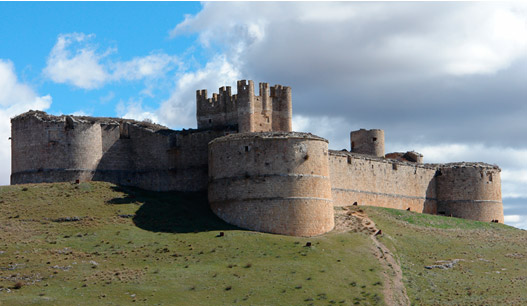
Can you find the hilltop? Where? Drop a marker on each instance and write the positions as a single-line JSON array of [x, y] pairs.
[[99, 243]]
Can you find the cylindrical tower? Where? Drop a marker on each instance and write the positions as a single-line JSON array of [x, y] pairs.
[[369, 142], [273, 182], [48, 148], [470, 191]]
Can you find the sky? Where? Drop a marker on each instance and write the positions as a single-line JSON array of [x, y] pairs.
[[446, 79]]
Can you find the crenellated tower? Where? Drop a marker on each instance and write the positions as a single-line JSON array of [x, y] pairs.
[[271, 110]]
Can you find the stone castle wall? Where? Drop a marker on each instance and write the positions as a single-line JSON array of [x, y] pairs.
[[367, 180], [49, 149], [259, 175], [272, 182], [470, 191]]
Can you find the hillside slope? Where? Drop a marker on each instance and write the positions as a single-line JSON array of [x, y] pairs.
[[97, 243]]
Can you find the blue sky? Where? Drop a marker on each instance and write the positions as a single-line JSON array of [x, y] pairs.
[[447, 79], [126, 29]]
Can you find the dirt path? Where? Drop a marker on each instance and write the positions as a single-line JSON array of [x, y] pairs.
[[353, 218]]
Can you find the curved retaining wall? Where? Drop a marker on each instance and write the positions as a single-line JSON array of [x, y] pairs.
[[470, 191], [272, 182]]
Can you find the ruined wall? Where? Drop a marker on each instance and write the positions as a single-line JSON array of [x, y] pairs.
[[381, 182], [470, 191], [49, 148], [271, 110], [54, 150], [157, 160], [370, 142], [272, 182]]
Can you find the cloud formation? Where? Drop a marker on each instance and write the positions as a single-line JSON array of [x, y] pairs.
[[446, 79], [15, 98], [76, 61], [435, 68]]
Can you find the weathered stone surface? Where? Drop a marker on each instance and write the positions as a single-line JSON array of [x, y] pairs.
[[258, 173], [272, 182]]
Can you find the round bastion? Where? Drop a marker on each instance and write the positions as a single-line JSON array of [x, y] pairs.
[[470, 191], [276, 182]]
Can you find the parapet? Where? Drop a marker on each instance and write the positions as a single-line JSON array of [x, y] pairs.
[[271, 110], [45, 117]]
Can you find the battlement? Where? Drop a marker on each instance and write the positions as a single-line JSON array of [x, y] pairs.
[[271, 110]]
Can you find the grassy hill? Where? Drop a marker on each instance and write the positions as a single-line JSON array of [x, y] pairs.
[[97, 243]]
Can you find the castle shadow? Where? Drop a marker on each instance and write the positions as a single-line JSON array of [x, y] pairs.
[[171, 212]]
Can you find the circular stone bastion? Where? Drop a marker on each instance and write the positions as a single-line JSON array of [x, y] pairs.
[[275, 182]]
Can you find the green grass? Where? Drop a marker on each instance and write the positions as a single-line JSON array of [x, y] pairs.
[[492, 270], [133, 246], [130, 246]]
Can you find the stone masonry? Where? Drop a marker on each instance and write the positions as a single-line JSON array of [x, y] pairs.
[[259, 174]]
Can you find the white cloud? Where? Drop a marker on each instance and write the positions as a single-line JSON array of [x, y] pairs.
[[518, 221], [179, 110], [334, 129], [150, 66], [340, 40], [81, 69], [15, 98], [512, 161], [73, 60], [513, 218], [81, 113], [134, 109]]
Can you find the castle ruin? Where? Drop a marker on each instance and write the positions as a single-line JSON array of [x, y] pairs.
[[258, 173]]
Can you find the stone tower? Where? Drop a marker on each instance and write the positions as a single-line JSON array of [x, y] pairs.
[[271, 110], [370, 142]]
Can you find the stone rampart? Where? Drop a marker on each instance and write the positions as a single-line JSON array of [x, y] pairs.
[[54, 150], [368, 180], [470, 191], [259, 175], [272, 182], [49, 148]]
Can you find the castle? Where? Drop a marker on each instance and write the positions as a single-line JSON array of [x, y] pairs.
[[258, 173]]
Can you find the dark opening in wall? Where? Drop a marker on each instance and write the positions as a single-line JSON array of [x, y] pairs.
[[247, 148], [349, 159], [374, 139], [210, 120], [489, 176], [124, 132], [394, 166], [68, 124]]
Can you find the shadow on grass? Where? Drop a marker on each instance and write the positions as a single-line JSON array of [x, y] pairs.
[[171, 212]]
